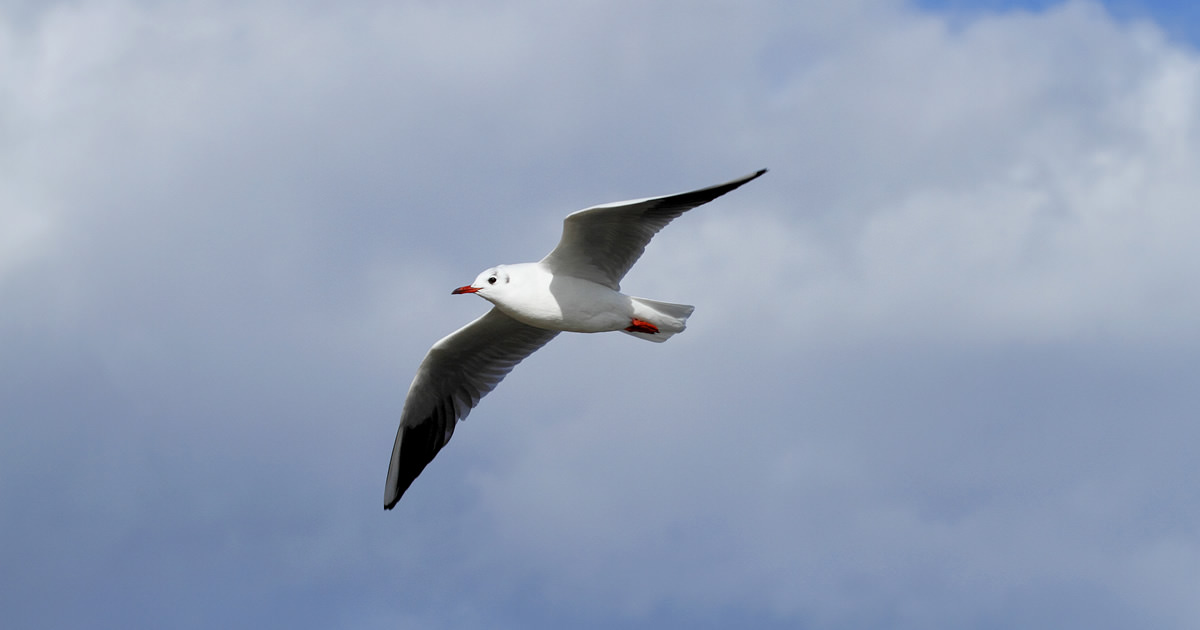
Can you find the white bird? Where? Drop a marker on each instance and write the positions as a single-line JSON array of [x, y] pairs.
[[575, 288]]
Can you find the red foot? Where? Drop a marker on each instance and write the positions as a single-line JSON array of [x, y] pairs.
[[642, 327]]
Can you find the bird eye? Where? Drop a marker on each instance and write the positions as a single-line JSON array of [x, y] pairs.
[[492, 280]]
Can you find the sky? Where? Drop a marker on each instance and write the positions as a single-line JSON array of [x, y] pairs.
[[941, 371]]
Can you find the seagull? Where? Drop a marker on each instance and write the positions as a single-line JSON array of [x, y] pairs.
[[576, 288]]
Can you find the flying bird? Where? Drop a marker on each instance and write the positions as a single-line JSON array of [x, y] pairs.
[[575, 288]]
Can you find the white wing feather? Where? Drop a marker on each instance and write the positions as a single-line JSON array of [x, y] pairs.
[[601, 243], [457, 372]]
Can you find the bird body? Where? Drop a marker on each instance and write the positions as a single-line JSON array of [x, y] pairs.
[[575, 288], [531, 294]]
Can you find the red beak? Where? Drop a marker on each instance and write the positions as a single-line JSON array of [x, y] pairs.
[[466, 289]]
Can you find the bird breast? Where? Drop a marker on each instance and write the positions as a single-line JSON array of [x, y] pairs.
[[567, 303]]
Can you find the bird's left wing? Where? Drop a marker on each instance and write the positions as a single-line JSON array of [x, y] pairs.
[[601, 243], [458, 371]]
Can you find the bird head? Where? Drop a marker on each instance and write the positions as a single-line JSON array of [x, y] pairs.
[[486, 283]]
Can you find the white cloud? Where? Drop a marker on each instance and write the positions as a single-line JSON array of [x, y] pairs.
[[939, 373]]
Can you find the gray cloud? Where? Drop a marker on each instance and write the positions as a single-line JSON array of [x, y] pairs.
[[941, 371]]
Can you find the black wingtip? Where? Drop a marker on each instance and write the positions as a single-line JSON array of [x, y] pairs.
[[721, 189], [416, 446], [739, 182]]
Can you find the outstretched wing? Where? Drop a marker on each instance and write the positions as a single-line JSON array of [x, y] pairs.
[[601, 243], [458, 371]]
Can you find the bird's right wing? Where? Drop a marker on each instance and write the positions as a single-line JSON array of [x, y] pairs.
[[601, 243], [458, 371]]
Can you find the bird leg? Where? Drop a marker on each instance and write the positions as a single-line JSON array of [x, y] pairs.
[[641, 326]]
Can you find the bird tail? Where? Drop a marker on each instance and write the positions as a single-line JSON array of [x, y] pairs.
[[667, 317]]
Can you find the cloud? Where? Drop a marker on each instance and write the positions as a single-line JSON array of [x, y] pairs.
[[940, 373]]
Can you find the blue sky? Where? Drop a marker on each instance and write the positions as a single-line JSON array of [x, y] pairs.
[[941, 371], [1178, 18]]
